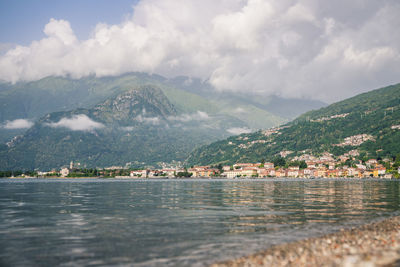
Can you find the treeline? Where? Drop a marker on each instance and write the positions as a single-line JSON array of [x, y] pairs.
[[4, 174], [99, 173]]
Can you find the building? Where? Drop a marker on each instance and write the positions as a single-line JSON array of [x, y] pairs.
[[64, 172], [249, 172], [343, 158], [311, 164], [266, 172], [371, 163], [232, 174], [293, 171], [245, 165], [307, 172], [269, 165], [226, 168], [168, 172], [379, 171], [139, 173]]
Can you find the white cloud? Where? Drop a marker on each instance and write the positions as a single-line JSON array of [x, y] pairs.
[[77, 123], [238, 130], [306, 48], [148, 120], [17, 124], [198, 116], [239, 110], [4, 47], [127, 128]]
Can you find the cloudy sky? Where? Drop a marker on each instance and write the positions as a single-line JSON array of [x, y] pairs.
[[326, 50]]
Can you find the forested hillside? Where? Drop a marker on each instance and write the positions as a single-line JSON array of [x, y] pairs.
[[369, 122]]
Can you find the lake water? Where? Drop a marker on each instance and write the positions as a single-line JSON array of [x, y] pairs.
[[49, 222]]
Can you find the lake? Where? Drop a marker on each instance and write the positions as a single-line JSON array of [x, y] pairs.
[[48, 222]]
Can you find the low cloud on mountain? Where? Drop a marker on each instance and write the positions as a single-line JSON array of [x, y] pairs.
[[326, 50], [198, 116], [148, 120], [17, 124], [238, 130], [77, 123]]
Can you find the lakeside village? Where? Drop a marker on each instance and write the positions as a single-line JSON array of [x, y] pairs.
[[304, 166]]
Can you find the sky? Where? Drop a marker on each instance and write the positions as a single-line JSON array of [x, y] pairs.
[[325, 50], [21, 22]]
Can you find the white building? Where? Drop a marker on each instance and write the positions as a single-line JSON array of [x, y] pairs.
[[233, 174], [226, 168], [139, 173], [64, 172]]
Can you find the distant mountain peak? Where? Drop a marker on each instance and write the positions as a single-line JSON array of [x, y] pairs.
[[145, 100]]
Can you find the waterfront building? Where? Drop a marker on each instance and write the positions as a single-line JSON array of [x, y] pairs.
[[64, 172], [139, 173], [168, 172], [232, 174], [249, 172]]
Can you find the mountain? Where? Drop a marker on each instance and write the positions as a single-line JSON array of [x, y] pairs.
[[166, 121], [369, 122], [140, 127], [287, 108], [32, 100]]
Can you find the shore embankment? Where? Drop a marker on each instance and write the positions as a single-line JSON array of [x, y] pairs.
[[374, 244]]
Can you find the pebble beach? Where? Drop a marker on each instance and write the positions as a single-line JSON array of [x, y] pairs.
[[374, 244]]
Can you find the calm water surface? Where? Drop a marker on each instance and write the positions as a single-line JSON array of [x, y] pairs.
[[46, 222]]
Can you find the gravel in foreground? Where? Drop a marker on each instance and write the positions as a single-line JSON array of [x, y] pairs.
[[375, 244]]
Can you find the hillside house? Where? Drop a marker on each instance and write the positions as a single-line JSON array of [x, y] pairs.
[[371, 163], [311, 164]]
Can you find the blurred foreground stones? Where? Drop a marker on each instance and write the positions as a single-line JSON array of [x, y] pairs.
[[375, 244]]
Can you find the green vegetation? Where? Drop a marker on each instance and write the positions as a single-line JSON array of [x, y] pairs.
[[141, 127], [84, 173], [4, 174], [315, 132], [184, 174], [279, 161], [137, 130], [33, 100]]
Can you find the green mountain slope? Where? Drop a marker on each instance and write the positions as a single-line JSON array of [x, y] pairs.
[[32, 100], [139, 126], [370, 117]]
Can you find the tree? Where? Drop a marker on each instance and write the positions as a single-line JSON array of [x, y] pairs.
[[262, 163], [279, 161], [184, 174], [219, 167], [303, 164]]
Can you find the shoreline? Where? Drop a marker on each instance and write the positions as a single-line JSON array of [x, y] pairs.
[[372, 244], [214, 178]]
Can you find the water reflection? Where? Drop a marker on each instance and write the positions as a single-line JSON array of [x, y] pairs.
[[185, 222]]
